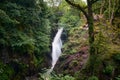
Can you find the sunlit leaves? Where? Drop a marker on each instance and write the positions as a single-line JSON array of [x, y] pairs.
[[81, 2]]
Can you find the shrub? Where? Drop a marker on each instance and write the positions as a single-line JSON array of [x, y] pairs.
[[108, 70], [93, 78], [116, 57], [53, 76], [117, 78], [5, 72]]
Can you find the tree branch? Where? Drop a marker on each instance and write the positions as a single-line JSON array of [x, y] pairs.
[[78, 7], [94, 1]]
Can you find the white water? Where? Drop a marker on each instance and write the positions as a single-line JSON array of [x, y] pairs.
[[56, 49]]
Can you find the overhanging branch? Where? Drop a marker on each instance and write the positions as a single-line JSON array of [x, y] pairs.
[[78, 7], [94, 1]]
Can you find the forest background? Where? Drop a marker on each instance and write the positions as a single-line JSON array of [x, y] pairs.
[[91, 39]]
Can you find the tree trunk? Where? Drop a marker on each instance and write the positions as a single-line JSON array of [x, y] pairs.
[[90, 21], [91, 27], [89, 17]]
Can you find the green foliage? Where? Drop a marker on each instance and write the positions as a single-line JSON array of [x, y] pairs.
[[20, 41], [93, 78], [5, 71], [108, 70], [25, 34], [5, 19], [116, 57], [2, 37], [117, 78], [77, 38], [57, 77], [26, 3], [101, 43], [70, 19], [25, 31], [82, 3], [60, 77]]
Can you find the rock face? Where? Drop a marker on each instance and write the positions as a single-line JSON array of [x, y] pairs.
[[73, 63]]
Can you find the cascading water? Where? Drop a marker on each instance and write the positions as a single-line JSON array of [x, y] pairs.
[[56, 49]]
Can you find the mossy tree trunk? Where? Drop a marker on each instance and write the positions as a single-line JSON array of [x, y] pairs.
[[89, 16], [91, 39], [91, 27]]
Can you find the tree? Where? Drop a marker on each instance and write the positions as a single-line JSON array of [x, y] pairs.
[[89, 17], [24, 40]]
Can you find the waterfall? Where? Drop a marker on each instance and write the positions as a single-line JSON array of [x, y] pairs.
[[56, 48]]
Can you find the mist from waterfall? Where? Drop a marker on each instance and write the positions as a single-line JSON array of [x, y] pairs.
[[56, 48]]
